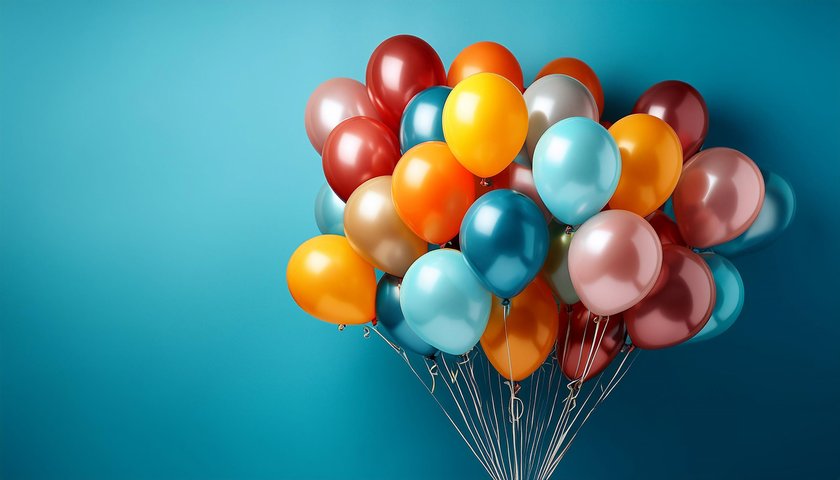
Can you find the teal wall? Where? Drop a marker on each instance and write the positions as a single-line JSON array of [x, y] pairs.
[[155, 177]]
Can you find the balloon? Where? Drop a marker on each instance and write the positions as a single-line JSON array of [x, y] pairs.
[[443, 302], [575, 341], [578, 70], [521, 179], [553, 98], [432, 191], [422, 120], [719, 195], [614, 261], [666, 229], [775, 216], [682, 107], [576, 169], [505, 241], [651, 159], [400, 68], [331, 282], [331, 103], [358, 149], [523, 158], [556, 268], [729, 297], [485, 57], [329, 211], [485, 122], [389, 315], [529, 332], [375, 230], [678, 309]]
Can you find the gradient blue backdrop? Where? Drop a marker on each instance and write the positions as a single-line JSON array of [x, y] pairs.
[[155, 177]]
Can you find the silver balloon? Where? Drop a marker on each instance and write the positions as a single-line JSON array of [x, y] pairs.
[[553, 98]]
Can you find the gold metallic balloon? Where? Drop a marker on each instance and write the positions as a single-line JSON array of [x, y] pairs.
[[376, 232], [556, 268]]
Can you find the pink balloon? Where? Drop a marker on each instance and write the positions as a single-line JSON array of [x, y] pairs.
[[679, 308], [333, 102], [522, 180], [614, 261], [718, 197]]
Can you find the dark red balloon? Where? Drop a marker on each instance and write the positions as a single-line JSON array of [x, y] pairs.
[[573, 353], [358, 149], [666, 229], [679, 307], [682, 107], [400, 68]]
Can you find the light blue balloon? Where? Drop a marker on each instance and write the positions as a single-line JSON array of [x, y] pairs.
[[422, 119], [775, 216], [444, 303], [729, 294], [329, 212], [576, 169]]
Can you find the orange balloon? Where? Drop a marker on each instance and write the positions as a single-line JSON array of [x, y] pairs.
[[331, 282], [532, 325], [432, 191], [580, 71], [651, 163], [486, 57]]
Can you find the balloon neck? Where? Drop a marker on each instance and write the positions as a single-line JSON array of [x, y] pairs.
[[341, 327], [569, 229], [505, 302], [374, 321], [486, 182], [516, 388]]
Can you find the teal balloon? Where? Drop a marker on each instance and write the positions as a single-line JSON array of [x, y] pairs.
[[390, 317], [444, 303], [668, 208], [504, 240], [422, 119], [729, 294], [775, 217], [329, 212], [577, 165]]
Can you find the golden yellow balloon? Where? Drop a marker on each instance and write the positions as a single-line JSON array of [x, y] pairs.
[[651, 162], [485, 122], [331, 282]]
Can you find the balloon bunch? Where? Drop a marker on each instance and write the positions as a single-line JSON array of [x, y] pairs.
[[512, 217]]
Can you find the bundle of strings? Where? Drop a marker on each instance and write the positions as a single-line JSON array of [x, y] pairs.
[[518, 430]]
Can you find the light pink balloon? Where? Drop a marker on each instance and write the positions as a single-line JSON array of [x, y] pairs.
[[718, 197], [522, 180], [614, 261], [333, 102], [679, 306]]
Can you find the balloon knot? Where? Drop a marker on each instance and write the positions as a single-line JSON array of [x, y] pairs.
[[569, 229], [486, 182], [374, 321], [341, 327], [505, 302]]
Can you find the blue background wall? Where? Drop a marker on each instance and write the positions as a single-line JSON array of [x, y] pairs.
[[155, 177]]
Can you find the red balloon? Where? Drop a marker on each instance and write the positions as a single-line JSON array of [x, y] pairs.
[[572, 353], [682, 107], [666, 229], [358, 149], [522, 180], [399, 68], [679, 307]]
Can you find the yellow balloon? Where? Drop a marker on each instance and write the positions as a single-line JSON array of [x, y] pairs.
[[485, 122], [651, 163], [331, 282]]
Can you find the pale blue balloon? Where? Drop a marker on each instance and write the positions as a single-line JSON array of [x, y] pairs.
[[577, 165], [329, 212], [444, 303], [729, 297], [775, 216]]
